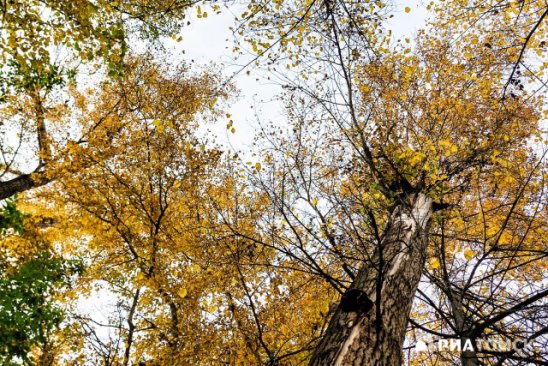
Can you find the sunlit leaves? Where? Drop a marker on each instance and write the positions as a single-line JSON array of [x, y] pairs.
[[224, 261], [469, 254], [182, 293]]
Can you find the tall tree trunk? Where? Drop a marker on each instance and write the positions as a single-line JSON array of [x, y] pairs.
[[355, 336]]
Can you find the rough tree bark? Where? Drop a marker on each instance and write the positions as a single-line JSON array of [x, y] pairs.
[[356, 337]]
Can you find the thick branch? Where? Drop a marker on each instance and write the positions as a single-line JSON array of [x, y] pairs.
[[22, 183]]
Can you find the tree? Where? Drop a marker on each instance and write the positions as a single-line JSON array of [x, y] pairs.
[[392, 152], [137, 161], [30, 276], [152, 212], [478, 259], [516, 26], [33, 96], [415, 128]]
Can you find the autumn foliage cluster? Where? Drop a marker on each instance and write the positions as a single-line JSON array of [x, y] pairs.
[[401, 196]]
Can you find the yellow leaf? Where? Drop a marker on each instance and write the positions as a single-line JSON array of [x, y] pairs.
[[194, 268], [182, 293], [434, 263], [407, 9], [325, 309], [469, 254], [445, 143], [258, 166]]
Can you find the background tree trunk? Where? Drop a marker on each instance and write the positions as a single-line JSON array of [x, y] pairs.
[[20, 184], [468, 357], [356, 337]]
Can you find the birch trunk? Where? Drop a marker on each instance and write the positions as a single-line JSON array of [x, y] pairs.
[[356, 338]]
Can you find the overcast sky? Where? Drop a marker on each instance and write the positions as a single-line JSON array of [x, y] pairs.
[[209, 40]]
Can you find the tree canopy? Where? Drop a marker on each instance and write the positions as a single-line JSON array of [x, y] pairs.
[[397, 206]]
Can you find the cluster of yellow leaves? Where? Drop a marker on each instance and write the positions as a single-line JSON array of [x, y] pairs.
[[161, 217], [497, 27], [153, 211], [90, 30], [437, 114]]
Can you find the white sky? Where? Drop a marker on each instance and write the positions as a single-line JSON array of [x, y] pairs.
[[209, 40]]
